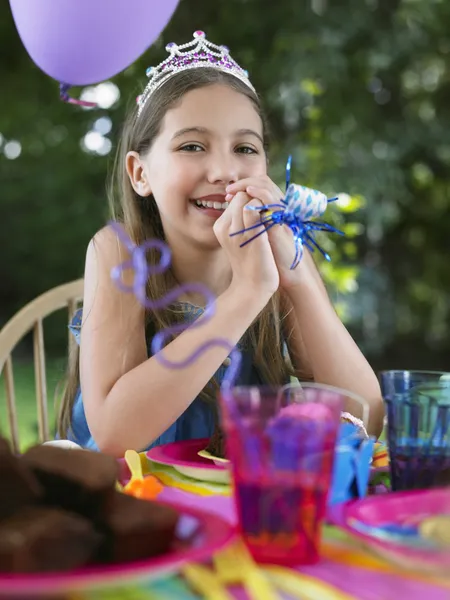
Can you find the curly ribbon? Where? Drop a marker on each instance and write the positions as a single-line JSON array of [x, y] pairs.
[[64, 96], [142, 271], [300, 205]]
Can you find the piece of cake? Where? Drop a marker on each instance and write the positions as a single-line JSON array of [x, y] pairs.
[[136, 529], [38, 540], [216, 445], [79, 481], [60, 511], [18, 486]]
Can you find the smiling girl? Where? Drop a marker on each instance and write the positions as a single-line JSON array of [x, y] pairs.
[[192, 157]]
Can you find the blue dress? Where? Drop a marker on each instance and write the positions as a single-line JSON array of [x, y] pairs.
[[197, 421]]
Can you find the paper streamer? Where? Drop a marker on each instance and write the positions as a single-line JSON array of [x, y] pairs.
[[141, 272]]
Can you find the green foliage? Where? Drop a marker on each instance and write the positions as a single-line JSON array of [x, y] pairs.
[[357, 91]]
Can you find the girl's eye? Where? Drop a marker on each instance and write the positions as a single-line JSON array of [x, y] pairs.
[[246, 150], [192, 148]]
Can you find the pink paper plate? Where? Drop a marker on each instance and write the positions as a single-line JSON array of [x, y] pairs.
[[183, 456], [403, 509], [199, 535]]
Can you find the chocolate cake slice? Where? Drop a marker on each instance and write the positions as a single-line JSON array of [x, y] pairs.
[[79, 481], [59, 510], [38, 540], [216, 445], [136, 529], [18, 486]]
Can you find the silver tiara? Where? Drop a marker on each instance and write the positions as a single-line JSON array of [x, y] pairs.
[[193, 55]]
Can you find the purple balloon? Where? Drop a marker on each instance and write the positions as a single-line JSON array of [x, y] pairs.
[[81, 42]]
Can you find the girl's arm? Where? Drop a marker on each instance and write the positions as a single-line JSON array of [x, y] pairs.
[[317, 336], [319, 341], [131, 399]]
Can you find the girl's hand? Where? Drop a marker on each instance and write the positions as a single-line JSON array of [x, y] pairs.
[[280, 238], [254, 264]]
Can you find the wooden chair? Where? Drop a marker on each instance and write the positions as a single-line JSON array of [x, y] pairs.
[[30, 318]]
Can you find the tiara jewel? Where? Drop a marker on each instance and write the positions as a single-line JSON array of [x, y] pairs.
[[193, 55]]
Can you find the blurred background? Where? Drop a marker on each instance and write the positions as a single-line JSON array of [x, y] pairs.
[[358, 93]]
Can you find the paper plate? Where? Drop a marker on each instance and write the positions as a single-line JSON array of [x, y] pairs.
[[216, 459], [199, 535], [185, 458], [225, 461], [192, 460], [390, 525]]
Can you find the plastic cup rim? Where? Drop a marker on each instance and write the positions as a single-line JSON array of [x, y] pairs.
[[415, 371], [341, 392], [319, 386]]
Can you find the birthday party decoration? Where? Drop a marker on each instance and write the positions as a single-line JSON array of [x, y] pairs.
[[197, 54], [82, 42], [300, 205], [141, 272], [354, 447], [351, 470], [148, 487]]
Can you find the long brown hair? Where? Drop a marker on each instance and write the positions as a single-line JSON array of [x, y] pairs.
[[142, 221]]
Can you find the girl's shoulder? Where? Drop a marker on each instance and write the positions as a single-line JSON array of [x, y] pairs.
[[105, 251], [107, 244]]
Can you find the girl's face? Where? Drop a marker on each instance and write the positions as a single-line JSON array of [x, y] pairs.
[[211, 138]]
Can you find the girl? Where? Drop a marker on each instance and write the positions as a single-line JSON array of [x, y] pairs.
[[191, 158]]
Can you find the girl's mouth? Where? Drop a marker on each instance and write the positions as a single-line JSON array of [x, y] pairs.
[[202, 204], [211, 206]]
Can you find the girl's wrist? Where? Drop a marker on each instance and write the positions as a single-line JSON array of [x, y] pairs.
[[298, 287], [247, 297]]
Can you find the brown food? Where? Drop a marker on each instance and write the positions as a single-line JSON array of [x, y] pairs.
[[18, 487], [216, 445], [59, 510], [79, 481], [137, 529], [37, 540]]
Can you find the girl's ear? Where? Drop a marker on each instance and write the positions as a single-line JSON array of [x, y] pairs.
[[135, 170]]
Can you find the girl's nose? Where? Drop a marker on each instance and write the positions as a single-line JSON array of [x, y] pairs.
[[223, 170]]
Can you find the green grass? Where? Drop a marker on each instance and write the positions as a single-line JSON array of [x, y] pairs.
[[26, 399]]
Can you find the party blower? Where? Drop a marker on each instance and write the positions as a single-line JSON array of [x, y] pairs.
[[296, 210]]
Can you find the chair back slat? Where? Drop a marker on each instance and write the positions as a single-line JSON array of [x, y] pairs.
[[11, 404], [40, 380], [30, 318]]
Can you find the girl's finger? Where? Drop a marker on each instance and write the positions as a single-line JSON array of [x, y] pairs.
[[251, 217], [242, 184], [236, 209], [262, 194]]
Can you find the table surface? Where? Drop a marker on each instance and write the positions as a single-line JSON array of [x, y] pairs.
[[346, 570], [351, 571]]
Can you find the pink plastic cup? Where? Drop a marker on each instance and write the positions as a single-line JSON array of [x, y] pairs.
[[281, 444]]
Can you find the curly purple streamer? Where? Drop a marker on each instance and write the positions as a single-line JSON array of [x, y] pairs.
[[142, 271]]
